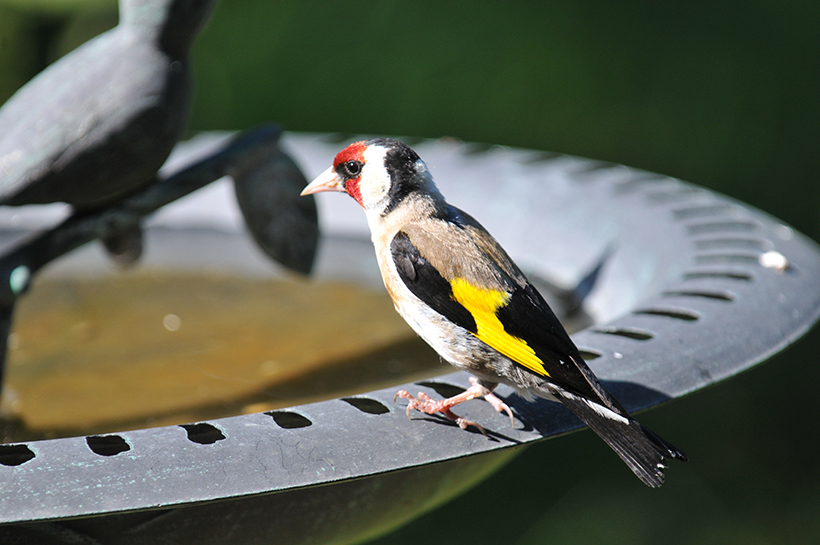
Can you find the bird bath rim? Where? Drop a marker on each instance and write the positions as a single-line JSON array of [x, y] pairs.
[[669, 300]]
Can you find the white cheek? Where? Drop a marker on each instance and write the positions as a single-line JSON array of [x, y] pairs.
[[373, 188], [375, 182]]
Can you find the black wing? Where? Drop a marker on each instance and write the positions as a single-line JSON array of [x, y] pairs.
[[526, 315], [425, 282]]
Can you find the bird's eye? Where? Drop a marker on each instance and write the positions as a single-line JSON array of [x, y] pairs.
[[352, 169]]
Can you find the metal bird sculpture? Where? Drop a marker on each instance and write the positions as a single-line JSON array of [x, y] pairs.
[[283, 225], [252, 159], [97, 124]]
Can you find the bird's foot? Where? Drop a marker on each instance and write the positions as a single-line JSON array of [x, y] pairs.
[[427, 405], [493, 400], [125, 247]]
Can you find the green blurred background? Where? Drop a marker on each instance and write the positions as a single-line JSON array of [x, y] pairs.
[[724, 94]]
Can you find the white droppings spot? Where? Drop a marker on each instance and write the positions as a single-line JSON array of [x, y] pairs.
[[617, 355], [172, 322], [10, 159], [784, 232], [774, 260]]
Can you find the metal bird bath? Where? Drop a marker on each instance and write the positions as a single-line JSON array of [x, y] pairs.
[[685, 278]]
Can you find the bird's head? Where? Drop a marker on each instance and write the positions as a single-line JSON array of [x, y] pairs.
[[379, 174], [174, 23]]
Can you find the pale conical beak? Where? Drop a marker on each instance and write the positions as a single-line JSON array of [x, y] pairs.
[[326, 181]]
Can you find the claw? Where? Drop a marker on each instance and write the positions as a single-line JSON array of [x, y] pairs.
[[463, 423], [428, 405], [500, 406], [495, 401], [404, 394]]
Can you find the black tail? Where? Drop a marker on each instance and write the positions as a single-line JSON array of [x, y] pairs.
[[642, 450]]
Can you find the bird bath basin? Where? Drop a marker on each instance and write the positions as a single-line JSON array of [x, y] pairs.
[[256, 407]]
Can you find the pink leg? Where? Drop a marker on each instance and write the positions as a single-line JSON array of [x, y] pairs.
[[493, 400], [427, 405]]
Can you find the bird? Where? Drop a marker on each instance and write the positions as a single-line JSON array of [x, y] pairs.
[[460, 291], [97, 124]]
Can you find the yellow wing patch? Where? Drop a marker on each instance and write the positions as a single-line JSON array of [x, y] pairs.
[[483, 304]]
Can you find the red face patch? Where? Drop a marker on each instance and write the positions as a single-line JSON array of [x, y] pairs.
[[352, 189], [353, 152]]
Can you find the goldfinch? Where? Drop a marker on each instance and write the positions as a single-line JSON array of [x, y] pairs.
[[460, 291]]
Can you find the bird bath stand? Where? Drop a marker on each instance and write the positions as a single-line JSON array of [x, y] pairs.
[[693, 288]]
